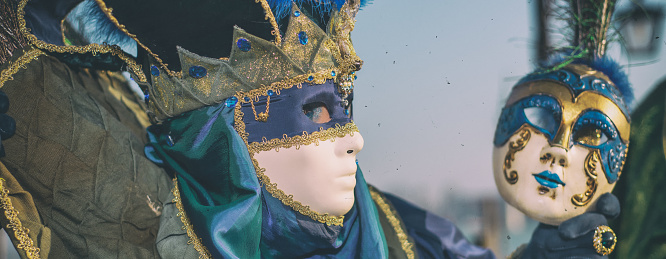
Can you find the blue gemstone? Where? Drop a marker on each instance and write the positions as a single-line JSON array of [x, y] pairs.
[[231, 102], [303, 37], [154, 71], [146, 96], [270, 92], [310, 78], [243, 44], [346, 112], [247, 99], [297, 13], [355, 77], [169, 141], [198, 71], [332, 73]]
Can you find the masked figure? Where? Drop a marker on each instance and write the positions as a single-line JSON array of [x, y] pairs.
[[562, 136], [251, 112]]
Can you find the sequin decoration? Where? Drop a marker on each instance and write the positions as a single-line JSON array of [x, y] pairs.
[[332, 73], [297, 13], [270, 92], [198, 71], [146, 96], [231, 102], [303, 37], [154, 71], [244, 45], [310, 78], [169, 140]]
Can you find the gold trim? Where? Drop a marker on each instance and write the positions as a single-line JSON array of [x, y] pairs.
[[194, 239], [591, 171], [93, 48], [20, 232], [287, 142], [21, 62], [394, 221], [271, 18], [514, 147], [305, 139], [573, 106], [108, 12]]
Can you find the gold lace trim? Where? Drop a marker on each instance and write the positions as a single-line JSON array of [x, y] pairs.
[[305, 139], [407, 246], [194, 239], [20, 232], [287, 142], [90, 48], [271, 18], [21, 62], [108, 12]]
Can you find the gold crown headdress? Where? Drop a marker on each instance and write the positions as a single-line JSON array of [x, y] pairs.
[[307, 54]]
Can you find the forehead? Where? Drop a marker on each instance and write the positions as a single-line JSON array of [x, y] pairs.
[[574, 103]]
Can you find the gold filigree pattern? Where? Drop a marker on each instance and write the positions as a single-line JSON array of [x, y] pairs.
[[21, 62], [20, 232], [514, 147], [305, 139], [194, 239], [93, 48], [591, 171], [271, 18], [287, 142], [407, 246]]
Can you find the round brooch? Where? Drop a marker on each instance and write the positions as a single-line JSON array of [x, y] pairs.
[[604, 240]]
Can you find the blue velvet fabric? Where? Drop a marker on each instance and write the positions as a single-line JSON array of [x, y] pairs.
[[435, 237], [286, 115]]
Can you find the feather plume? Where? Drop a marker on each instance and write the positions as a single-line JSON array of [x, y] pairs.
[[10, 37]]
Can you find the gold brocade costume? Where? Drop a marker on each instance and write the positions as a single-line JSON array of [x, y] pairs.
[[76, 177]]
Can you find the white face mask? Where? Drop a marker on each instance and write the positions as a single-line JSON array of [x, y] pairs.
[[559, 145], [321, 176]]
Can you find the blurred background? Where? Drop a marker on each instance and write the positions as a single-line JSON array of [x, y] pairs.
[[435, 77]]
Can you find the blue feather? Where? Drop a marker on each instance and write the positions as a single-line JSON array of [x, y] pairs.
[[282, 8]]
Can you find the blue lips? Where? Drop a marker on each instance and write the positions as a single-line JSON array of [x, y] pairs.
[[548, 179]]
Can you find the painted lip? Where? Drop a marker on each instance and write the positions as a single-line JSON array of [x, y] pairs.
[[548, 179]]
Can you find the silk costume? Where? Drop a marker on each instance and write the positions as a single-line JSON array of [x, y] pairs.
[[77, 184]]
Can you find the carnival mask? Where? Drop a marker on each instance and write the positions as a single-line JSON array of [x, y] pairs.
[[318, 168], [560, 143]]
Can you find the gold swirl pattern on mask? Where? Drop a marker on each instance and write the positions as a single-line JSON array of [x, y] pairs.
[[194, 239], [29, 54], [591, 171], [20, 232], [514, 146], [92, 48], [407, 246]]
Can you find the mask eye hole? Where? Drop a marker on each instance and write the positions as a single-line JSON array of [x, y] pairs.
[[317, 112], [541, 118], [590, 135]]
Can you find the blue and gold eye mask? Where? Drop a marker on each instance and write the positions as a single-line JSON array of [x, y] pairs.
[[573, 106], [297, 111]]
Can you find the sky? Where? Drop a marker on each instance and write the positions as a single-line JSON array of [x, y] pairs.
[[435, 76]]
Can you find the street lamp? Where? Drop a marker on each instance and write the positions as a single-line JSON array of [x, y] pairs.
[[640, 28]]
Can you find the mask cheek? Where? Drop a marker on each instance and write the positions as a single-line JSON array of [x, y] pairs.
[[587, 179]]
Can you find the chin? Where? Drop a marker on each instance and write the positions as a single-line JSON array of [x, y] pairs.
[[341, 205]]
